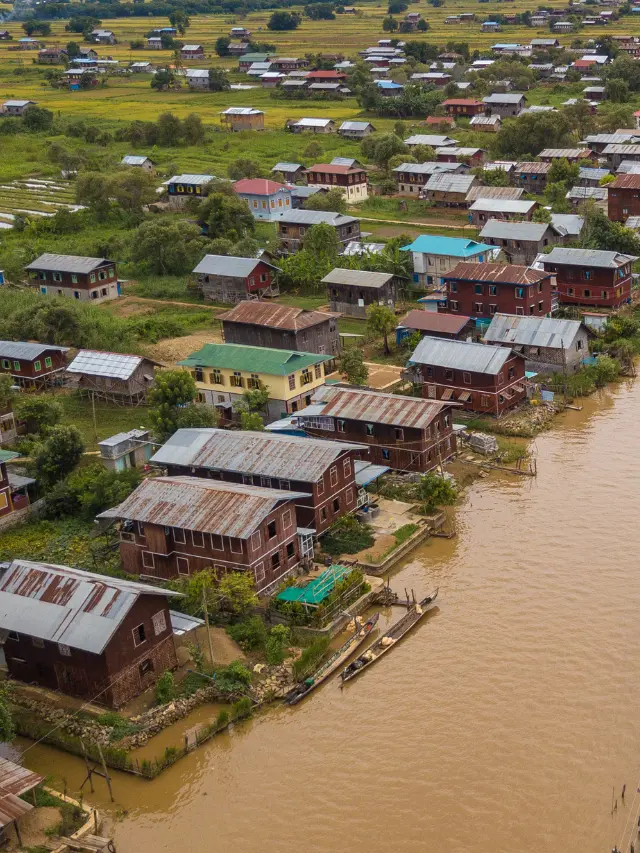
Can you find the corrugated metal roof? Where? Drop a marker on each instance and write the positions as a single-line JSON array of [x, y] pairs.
[[314, 217], [593, 174], [287, 167], [434, 321], [565, 152], [628, 167], [109, 364], [207, 506], [355, 125], [627, 181], [622, 149], [503, 98], [64, 605], [457, 247], [587, 258], [26, 350], [433, 140], [313, 122], [197, 73], [351, 162], [228, 265], [66, 263], [357, 278], [17, 103], [599, 193], [450, 183], [484, 120], [501, 273], [611, 138], [509, 193], [374, 407], [431, 168], [259, 186], [501, 205], [195, 180], [532, 331], [460, 355], [265, 454], [261, 313], [502, 228], [533, 168], [571, 222], [15, 779], [134, 160], [265, 360], [241, 111]]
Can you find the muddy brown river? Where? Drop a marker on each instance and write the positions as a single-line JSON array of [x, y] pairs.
[[499, 725]]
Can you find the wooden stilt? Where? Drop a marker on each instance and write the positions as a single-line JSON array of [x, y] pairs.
[[19, 837], [106, 773], [89, 770]]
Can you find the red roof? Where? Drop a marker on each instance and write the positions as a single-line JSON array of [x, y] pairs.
[[462, 102], [499, 273], [625, 182], [432, 321], [584, 63], [258, 186], [439, 120], [637, 113], [333, 75]]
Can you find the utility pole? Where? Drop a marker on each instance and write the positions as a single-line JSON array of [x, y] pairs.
[[206, 622]]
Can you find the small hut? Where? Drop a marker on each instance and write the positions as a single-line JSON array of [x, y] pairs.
[[121, 379]]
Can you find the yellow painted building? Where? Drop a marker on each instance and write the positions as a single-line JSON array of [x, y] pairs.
[[223, 372]]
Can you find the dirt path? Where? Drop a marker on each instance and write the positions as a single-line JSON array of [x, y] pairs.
[[172, 350], [128, 305], [419, 224]]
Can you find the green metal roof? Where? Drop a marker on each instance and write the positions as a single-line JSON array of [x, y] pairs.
[[273, 362], [316, 590], [8, 455]]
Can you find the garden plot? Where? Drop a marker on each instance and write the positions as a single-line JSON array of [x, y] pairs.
[[34, 197]]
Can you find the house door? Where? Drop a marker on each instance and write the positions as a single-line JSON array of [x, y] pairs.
[[71, 679]]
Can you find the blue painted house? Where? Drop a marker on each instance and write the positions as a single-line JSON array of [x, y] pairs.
[[434, 257], [266, 199], [182, 187], [389, 89]]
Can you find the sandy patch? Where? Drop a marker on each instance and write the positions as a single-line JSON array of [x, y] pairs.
[[172, 350], [32, 827], [374, 554]]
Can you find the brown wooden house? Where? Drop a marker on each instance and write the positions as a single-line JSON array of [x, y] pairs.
[[351, 292], [175, 526], [484, 379], [405, 433], [293, 225], [223, 278], [86, 279], [624, 197], [112, 376], [82, 633], [324, 471], [263, 324], [33, 365], [593, 278]]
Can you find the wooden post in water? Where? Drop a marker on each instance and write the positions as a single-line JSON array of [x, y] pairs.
[[89, 771], [206, 622], [106, 772]]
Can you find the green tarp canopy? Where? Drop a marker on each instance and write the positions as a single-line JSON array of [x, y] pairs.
[[316, 590]]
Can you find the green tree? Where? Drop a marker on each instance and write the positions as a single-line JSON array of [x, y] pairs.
[[252, 407], [282, 20], [434, 491], [222, 46], [163, 79], [562, 170], [226, 216], [38, 412], [166, 247], [132, 190], [389, 24], [7, 727], [59, 454], [541, 214], [530, 133], [218, 80], [89, 490], [244, 167], [179, 19], [251, 421], [352, 366], [423, 25], [236, 593], [7, 394], [73, 49], [37, 119], [170, 401], [322, 241], [381, 320], [277, 644], [379, 148], [617, 91], [600, 233], [93, 190], [165, 688], [333, 200], [193, 131]]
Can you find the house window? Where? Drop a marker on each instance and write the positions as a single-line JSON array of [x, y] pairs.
[[448, 375], [197, 537], [306, 377], [369, 429], [159, 622], [285, 484], [256, 541], [385, 453], [477, 307], [74, 278], [484, 401], [349, 496], [323, 514], [7, 364], [340, 426], [512, 372], [587, 293], [519, 292], [236, 379], [275, 560], [587, 275], [16, 365], [217, 378], [453, 286], [493, 309], [320, 485], [286, 519], [236, 545], [48, 362], [605, 294], [216, 542], [318, 371], [500, 377], [519, 309], [291, 551], [292, 382], [271, 529], [37, 642], [478, 289], [493, 290], [453, 305], [466, 378], [37, 366], [57, 276], [146, 666], [64, 650], [183, 565], [199, 374], [178, 536], [336, 505], [148, 560], [333, 475], [399, 433], [139, 635], [265, 482], [259, 572]]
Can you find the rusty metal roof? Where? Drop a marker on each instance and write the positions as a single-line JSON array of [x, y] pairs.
[[259, 313], [498, 273], [373, 407], [434, 321], [286, 457], [207, 506], [64, 605], [15, 779]]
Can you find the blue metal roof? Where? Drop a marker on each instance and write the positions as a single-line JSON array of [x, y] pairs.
[[457, 247], [388, 84]]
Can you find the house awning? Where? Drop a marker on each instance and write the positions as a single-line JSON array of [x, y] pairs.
[[465, 396], [447, 394]]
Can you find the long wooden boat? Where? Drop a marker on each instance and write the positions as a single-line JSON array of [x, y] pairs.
[[415, 613], [339, 657]]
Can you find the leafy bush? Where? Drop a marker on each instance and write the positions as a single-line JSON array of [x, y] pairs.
[[310, 657], [233, 678], [249, 634], [165, 688], [277, 643], [222, 719], [347, 536], [241, 709]]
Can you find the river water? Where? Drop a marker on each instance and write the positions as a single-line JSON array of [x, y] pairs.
[[500, 724]]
